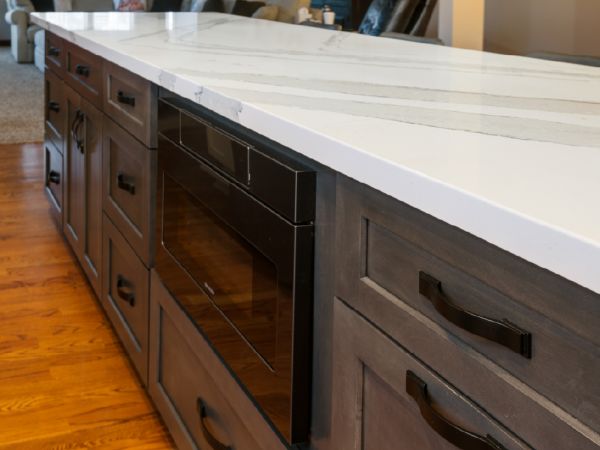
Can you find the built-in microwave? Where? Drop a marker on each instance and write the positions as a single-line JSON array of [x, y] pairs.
[[235, 232]]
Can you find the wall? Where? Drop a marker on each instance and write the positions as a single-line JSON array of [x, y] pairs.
[[526, 26]]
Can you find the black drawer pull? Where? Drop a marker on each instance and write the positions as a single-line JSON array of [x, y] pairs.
[[53, 51], [212, 441], [461, 438], [77, 121], [53, 106], [54, 177], [82, 70], [125, 99], [502, 331], [125, 295], [124, 184]]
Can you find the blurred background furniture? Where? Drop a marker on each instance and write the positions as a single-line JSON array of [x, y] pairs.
[[27, 39], [573, 59], [404, 17]]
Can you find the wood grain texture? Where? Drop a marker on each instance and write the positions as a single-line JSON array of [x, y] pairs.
[[64, 380]]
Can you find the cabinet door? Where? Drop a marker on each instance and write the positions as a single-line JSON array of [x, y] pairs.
[[92, 153], [83, 184], [74, 174], [386, 399]]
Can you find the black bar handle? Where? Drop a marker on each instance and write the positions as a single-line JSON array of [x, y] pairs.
[[79, 117], [53, 51], [461, 438], [126, 295], [54, 177], [502, 332], [212, 441], [124, 184], [125, 99], [82, 70], [54, 106]]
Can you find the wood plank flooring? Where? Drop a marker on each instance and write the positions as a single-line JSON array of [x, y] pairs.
[[65, 382]]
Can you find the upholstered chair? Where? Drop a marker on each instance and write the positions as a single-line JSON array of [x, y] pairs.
[[22, 32]]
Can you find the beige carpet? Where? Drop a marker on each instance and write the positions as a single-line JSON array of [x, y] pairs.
[[21, 101]]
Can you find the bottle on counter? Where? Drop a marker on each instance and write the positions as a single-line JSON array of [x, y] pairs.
[[328, 15]]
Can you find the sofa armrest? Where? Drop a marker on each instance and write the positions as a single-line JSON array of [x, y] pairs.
[[18, 16]]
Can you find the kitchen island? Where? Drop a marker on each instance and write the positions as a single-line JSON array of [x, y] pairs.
[[501, 153]]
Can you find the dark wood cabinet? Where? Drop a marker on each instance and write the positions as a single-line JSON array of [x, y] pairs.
[[54, 180], [199, 400], [125, 285], [386, 399], [55, 112], [129, 188], [460, 304], [83, 184]]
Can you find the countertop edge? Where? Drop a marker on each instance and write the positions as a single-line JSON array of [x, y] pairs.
[[551, 248]]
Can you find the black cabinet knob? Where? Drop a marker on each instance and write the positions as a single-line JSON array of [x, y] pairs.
[[82, 70], [125, 99], [54, 177]]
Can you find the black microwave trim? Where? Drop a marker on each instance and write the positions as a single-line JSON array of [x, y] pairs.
[[266, 159]]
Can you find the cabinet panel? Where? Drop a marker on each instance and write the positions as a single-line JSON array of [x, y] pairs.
[[55, 110], [55, 53], [84, 73], [185, 374], [92, 248], [74, 176], [125, 296], [131, 101], [83, 185], [385, 399], [53, 184], [129, 174], [391, 255]]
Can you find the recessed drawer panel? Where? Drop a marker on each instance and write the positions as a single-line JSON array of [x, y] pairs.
[[55, 53], [518, 316], [189, 393], [84, 73], [54, 180], [55, 110], [129, 172], [385, 399], [129, 100], [125, 296]]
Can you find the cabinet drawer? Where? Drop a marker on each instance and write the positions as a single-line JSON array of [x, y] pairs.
[[54, 180], [129, 100], [84, 73], [55, 110], [385, 399], [125, 296], [129, 171], [55, 53], [186, 377], [392, 257]]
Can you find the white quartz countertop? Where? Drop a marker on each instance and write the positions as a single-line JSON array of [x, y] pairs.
[[504, 147]]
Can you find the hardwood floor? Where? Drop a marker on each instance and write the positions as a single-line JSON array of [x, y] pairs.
[[65, 382]]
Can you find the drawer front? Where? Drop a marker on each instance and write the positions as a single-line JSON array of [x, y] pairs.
[[384, 399], [55, 110], [129, 171], [192, 403], [392, 258], [84, 73], [129, 100], [54, 179], [55, 53], [125, 296]]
